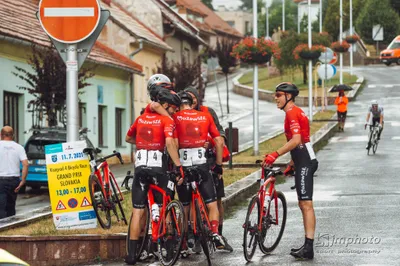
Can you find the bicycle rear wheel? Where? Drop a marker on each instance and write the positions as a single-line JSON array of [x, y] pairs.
[[203, 232], [170, 241], [273, 227], [375, 145], [99, 202], [250, 226], [144, 237], [117, 199]]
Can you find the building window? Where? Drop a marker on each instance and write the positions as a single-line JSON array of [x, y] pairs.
[[102, 125], [119, 118], [10, 112], [82, 115], [247, 27], [231, 23]]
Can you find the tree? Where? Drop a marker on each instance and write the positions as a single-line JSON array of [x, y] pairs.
[[396, 5], [370, 15], [184, 74], [47, 83], [226, 61], [248, 5], [275, 17], [304, 24], [208, 3]]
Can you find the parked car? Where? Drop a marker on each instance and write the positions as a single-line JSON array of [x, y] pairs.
[[392, 53], [34, 147]]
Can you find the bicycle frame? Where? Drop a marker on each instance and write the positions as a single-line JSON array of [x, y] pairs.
[[261, 195], [105, 180], [166, 199], [196, 195]]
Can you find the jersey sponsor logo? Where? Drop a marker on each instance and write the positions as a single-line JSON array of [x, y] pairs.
[[304, 172], [296, 130], [151, 122], [198, 118]]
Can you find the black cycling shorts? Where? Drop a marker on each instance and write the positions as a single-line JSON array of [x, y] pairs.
[[304, 172], [219, 183], [205, 185], [140, 187], [341, 116]]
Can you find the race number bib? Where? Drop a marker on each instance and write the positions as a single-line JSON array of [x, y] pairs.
[[141, 158], [310, 150], [194, 156], [148, 158], [154, 159]]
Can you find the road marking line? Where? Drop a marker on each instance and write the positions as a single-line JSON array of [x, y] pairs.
[[69, 12], [349, 139], [396, 138]]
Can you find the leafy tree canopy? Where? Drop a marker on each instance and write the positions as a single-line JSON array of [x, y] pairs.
[[208, 3]]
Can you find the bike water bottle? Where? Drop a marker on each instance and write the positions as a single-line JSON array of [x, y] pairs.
[[267, 199], [155, 212]]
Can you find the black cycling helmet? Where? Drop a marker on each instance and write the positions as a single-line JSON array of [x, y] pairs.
[[288, 88], [186, 98], [168, 96]]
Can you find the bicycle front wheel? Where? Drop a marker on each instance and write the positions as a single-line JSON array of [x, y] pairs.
[[250, 226], [375, 146], [117, 198], [171, 233], [272, 226], [144, 237], [203, 232], [99, 202]]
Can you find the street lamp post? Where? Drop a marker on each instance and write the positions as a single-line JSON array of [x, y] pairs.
[[255, 87], [266, 19], [309, 65], [340, 41], [283, 15], [320, 16], [351, 33]]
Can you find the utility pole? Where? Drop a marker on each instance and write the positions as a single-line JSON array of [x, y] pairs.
[[255, 86]]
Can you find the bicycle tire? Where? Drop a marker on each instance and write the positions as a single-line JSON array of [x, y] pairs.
[[203, 237], [253, 229], [267, 249], [174, 208], [369, 141], [99, 202], [375, 146], [145, 238], [116, 198]]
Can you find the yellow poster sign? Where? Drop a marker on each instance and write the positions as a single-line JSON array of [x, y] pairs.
[[68, 171]]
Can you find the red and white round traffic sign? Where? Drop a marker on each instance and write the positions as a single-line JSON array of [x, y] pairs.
[[69, 21], [334, 59]]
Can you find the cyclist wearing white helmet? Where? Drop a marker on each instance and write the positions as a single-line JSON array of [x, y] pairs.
[[154, 85], [375, 116]]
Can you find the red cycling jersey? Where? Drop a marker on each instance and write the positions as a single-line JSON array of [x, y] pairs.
[[150, 131], [148, 110], [296, 122], [193, 127]]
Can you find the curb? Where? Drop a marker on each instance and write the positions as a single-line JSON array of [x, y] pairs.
[[302, 101]]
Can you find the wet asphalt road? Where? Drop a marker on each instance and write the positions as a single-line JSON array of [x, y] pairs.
[[356, 196]]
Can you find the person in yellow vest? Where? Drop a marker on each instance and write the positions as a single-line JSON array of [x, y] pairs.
[[341, 101]]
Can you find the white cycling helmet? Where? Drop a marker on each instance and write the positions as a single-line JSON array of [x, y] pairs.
[[374, 102], [157, 79]]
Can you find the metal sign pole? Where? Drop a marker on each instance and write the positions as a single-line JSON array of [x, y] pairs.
[[351, 33], [255, 87], [72, 93], [340, 41], [283, 15]]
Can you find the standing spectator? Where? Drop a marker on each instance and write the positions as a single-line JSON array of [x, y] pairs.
[[11, 154], [341, 101]]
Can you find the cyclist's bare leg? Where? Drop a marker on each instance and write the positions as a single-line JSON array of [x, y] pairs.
[[213, 213]]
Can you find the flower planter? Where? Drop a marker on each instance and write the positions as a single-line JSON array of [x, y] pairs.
[[309, 55], [351, 40], [340, 49], [257, 59]]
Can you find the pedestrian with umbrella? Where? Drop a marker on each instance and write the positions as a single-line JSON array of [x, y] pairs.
[[341, 102]]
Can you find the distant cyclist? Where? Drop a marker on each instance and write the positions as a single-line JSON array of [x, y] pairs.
[[375, 116], [297, 131]]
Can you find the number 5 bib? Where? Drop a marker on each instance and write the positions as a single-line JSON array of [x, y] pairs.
[[193, 156]]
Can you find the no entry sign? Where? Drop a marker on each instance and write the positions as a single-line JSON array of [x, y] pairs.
[[69, 21]]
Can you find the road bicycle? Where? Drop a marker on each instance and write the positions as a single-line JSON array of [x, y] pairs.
[[199, 213], [266, 216], [165, 228], [373, 138], [105, 193]]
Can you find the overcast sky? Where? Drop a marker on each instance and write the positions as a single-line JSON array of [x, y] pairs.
[[227, 3]]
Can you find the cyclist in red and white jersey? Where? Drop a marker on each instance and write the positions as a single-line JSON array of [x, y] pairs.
[[154, 85], [152, 133], [297, 131], [192, 129]]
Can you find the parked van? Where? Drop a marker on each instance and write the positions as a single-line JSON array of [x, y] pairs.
[[392, 53]]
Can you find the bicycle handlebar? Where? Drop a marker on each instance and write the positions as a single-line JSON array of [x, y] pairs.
[[91, 152], [273, 170]]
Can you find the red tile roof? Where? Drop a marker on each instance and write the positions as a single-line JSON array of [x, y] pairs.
[[18, 20], [212, 19]]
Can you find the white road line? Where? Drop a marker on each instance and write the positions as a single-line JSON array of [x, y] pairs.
[[395, 124], [396, 138], [371, 86], [69, 12], [349, 139]]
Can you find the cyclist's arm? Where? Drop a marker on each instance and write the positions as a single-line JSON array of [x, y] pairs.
[[216, 122], [173, 151], [368, 116], [219, 147], [156, 107], [290, 145], [381, 119], [131, 134]]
